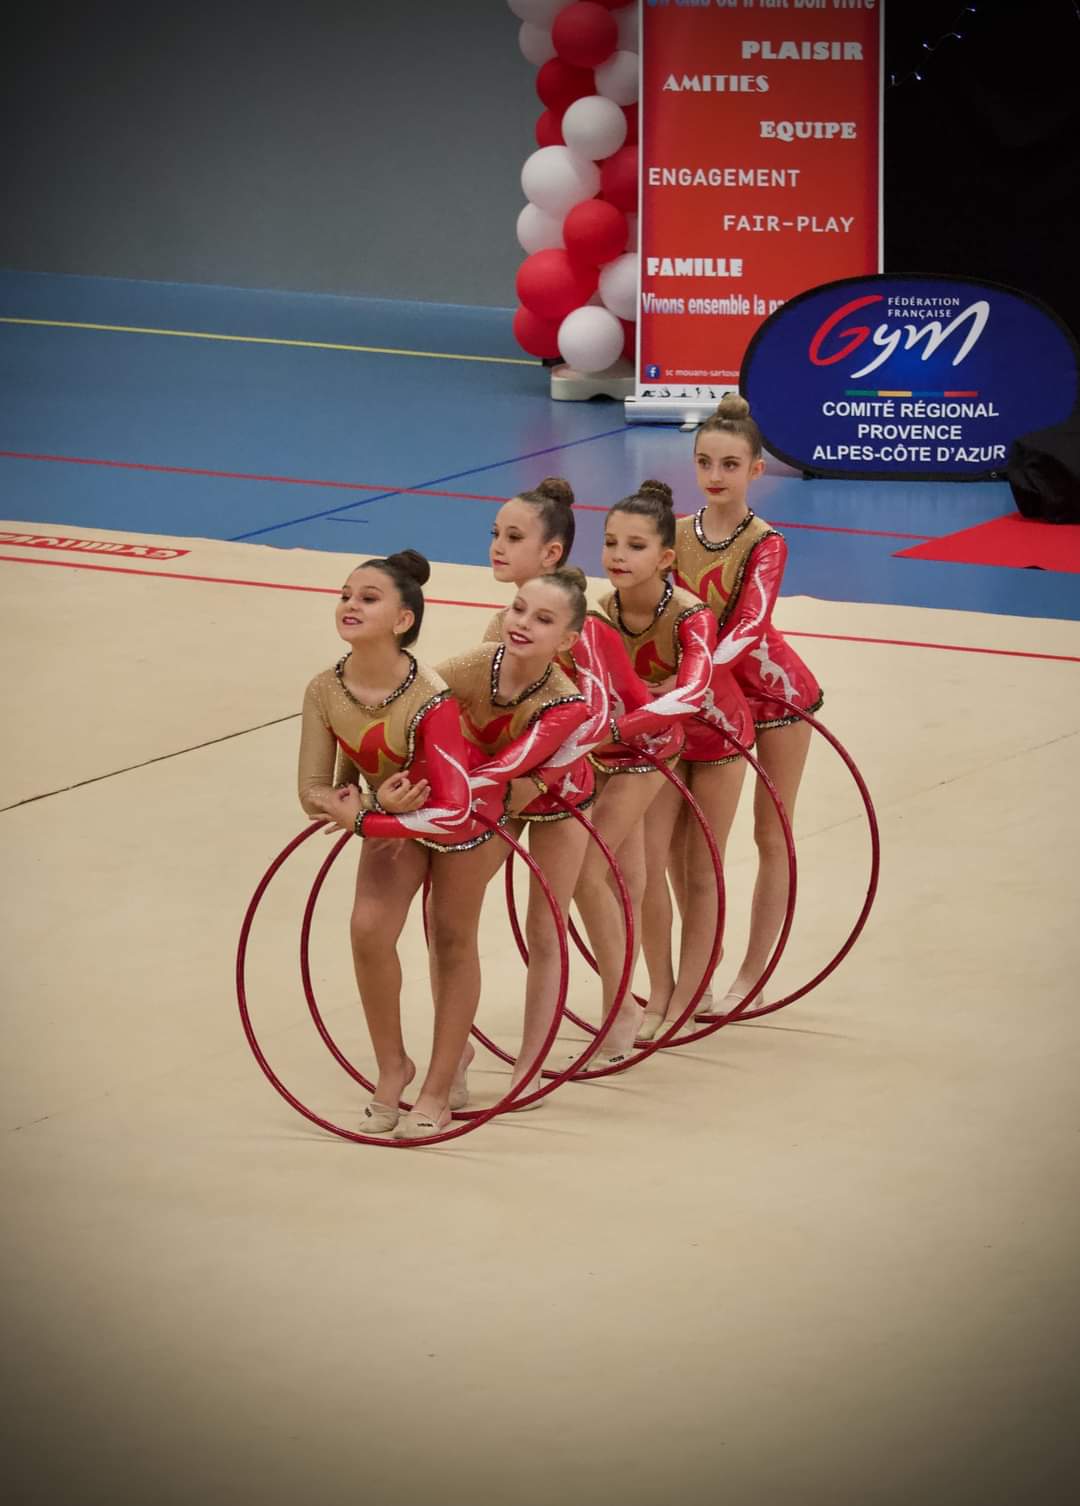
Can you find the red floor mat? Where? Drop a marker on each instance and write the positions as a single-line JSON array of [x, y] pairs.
[[1023, 543]]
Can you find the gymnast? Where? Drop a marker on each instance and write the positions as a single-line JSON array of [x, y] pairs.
[[532, 534], [523, 723], [671, 639], [734, 562], [382, 715]]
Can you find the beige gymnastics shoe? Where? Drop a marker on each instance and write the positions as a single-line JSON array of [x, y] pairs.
[[378, 1118]]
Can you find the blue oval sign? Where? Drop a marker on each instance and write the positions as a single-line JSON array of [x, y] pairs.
[[892, 377]]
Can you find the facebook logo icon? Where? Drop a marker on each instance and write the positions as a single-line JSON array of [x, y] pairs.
[[652, 372]]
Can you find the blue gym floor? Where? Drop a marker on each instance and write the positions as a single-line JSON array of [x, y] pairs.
[[407, 436]]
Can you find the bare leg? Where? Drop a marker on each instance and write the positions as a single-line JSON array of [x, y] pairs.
[[617, 816], [558, 847], [683, 853], [716, 789], [458, 882], [387, 877], [656, 918], [782, 752], [677, 858]]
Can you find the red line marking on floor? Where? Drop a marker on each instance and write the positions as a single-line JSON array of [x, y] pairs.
[[224, 580], [954, 648], [870, 533], [404, 491], [440, 601]]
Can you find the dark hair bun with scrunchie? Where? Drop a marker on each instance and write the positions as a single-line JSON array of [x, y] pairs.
[[572, 582], [412, 563], [573, 574], [732, 417], [653, 500], [554, 500], [733, 405], [658, 489], [556, 489]]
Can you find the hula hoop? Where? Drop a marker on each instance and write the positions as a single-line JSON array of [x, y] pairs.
[[665, 1039], [554, 1079], [453, 1132], [741, 1015], [572, 930]]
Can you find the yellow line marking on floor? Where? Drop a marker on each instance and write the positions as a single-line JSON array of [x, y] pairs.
[[198, 334]]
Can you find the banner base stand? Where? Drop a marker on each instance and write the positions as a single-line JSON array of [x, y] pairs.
[[570, 386], [686, 411]]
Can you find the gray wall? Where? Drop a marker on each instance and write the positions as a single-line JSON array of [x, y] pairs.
[[370, 148]]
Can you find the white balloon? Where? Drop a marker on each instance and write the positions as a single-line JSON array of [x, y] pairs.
[[536, 44], [632, 234], [555, 179], [594, 127], [627, 21], [590, 339], [617, 79], [537, 231], [619, 285], [539, 12]]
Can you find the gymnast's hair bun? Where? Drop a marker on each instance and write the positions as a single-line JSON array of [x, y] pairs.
[[659, 490], [557, 489], [733, 405], [410, 563], [573, 576]]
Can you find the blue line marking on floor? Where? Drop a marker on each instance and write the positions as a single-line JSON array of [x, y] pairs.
[[438, 481]]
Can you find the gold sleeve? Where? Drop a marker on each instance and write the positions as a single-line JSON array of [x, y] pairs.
[[459, 672], [318, 749], [346, 772], [493, 631]]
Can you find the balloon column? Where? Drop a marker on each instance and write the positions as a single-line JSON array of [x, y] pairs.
[[577, 287]]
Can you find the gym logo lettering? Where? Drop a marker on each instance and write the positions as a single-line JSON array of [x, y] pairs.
[[888, 340]]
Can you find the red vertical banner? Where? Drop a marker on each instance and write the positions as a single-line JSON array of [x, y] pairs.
[[761, 130]]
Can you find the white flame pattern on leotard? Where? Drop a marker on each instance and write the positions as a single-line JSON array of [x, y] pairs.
[[686, 699], [716, 715], [773, 674], [437, 820]]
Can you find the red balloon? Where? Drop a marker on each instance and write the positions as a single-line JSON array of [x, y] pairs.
[[558, 85], [549, 130], [631, 113], [552, 283], [585, 34], [629, 348], [619, 178], [595, 231], [540, 337]]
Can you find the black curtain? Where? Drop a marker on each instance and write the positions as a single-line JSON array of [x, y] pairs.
[[982, 157]]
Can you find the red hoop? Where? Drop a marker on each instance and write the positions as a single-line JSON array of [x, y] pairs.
[[741, 1015], [554, 1079], [478, 1117], [666, 1037], [572, 930]]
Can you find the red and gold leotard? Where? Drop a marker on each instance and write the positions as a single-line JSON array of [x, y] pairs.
[[739, 580], [415, 729], [536, 733], [600, 668], [681, 641]]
